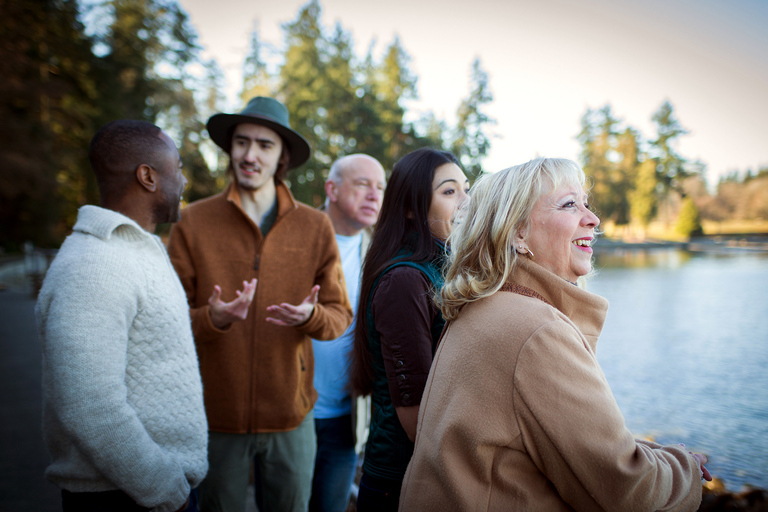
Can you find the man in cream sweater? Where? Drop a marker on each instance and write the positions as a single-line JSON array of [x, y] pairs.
[[123, 415]]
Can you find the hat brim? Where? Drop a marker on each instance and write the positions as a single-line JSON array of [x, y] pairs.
[[220, 128]]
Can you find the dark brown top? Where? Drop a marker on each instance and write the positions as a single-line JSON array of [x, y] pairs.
[[403, 312]]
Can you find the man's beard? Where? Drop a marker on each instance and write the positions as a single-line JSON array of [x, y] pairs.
[[168, 210]]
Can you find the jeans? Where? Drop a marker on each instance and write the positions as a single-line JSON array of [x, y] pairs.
[[334, 464], [284, 473], [378, 494], [109, 501]]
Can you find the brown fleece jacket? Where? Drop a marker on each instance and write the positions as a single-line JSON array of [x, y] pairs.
[[517, 415], [257, 376]]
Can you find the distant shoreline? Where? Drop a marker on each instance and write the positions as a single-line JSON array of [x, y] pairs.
[[742, 242]]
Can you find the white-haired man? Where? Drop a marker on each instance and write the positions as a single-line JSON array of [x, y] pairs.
[[354, 190]]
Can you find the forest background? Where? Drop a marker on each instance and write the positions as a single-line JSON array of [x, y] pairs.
[[69, 67]]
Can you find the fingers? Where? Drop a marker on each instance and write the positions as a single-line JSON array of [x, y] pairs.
[[702, 459], [215, 296], [249, 288], [288, 314], [313, 294]]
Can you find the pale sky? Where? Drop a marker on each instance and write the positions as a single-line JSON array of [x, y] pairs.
[[548, 61]]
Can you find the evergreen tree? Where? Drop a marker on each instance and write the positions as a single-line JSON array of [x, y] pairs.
[[212, 103], [46, 103], [341, 104], [624, 172], [302, 83], [256, 78], [671, 167], [688, 222], [149, 48], [643, 199], [472, 143], [393, 84], [598, 138]]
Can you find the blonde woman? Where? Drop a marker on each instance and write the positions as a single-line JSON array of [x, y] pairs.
[[517, 414]]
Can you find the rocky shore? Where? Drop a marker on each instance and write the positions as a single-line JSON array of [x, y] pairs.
[[717, 499]]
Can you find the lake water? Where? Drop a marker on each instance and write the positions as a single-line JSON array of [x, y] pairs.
[[685, 350]]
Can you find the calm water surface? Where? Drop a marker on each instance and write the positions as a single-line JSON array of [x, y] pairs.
[[685, 350]]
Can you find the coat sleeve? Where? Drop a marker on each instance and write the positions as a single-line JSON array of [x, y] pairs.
[[333, 313], [576, 435], [180, 253], [403, 317], [84, 323]]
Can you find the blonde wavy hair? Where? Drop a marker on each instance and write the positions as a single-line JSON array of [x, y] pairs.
[[482, 243]]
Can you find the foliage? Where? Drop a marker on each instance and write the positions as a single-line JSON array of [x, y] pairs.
[[738, 197], [636, 180], [342, 105], [642, 197], [471, 143], [61, 83], [610, 156], [671, 167], [48, 91], [688, 222]]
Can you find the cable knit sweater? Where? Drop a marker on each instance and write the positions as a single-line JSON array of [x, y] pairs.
[[122, 398]]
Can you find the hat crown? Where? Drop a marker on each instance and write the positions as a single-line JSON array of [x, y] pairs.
[[266, 112], [261, 106]]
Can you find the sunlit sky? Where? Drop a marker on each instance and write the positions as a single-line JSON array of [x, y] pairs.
[[548, 61]]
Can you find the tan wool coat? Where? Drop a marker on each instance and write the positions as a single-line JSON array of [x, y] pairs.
[[257, 376], [517, 415]]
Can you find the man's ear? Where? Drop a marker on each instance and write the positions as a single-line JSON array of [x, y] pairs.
[[147, 177], [330, 191]]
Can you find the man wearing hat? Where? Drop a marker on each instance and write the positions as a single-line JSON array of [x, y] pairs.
[[263, 277]]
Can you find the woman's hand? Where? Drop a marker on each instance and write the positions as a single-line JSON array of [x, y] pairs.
[[701, 459]]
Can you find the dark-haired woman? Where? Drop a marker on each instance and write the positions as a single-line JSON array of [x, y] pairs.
[[399, 325]]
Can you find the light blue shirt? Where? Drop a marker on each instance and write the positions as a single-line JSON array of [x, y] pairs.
[[332, 358]]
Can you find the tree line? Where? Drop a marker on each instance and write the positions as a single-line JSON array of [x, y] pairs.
[[636, 180], [70, 67]]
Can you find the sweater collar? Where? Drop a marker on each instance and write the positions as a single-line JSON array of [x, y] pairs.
[[583, 308], [103, 223]]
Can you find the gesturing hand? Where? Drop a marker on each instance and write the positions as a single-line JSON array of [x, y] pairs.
[[289, 316], [224, 313]]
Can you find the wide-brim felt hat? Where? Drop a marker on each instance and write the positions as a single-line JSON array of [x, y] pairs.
[[266, 112]]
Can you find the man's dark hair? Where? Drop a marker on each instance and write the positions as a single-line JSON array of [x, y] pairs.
[[119, 148]]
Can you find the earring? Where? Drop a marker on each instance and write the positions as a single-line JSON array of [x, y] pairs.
[[523, 250]]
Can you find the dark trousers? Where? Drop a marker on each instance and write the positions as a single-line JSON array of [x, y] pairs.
[[378, 494], [109, 501]]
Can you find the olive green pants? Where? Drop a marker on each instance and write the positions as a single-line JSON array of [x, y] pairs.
[[286, 462]]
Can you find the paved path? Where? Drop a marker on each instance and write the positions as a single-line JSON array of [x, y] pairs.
[[23, 456]]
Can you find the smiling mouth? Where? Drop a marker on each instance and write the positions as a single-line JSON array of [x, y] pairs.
[[249, 170], [582, 242]]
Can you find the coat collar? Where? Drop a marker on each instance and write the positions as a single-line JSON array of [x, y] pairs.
[[583, 308]]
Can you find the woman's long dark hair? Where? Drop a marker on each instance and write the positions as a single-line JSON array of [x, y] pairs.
[[403, 221]]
